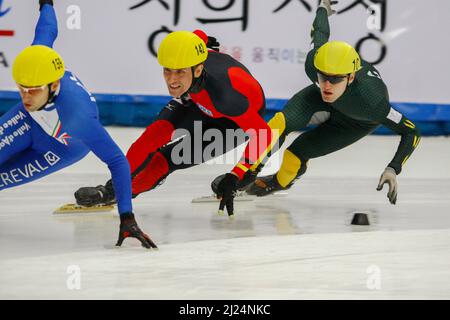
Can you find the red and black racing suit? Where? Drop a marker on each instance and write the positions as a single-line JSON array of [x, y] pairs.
[[226, 96]]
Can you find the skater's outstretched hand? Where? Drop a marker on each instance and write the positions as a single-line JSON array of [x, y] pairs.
[[213, 44], [390, 177], [130, 229], [226, 191], [327, 5]]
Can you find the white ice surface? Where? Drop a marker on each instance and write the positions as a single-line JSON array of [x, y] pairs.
[[297, 247]]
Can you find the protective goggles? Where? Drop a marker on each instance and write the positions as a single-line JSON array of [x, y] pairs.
[[332, 79], [32, 90]]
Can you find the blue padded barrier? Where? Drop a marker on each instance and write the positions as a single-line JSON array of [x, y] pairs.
[[140, 110]]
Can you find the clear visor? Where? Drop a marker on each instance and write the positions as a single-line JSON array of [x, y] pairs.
[[31, 90]]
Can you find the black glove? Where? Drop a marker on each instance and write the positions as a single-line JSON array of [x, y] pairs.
[[226, 191], [130, 229], [42, 2], [213, 44]]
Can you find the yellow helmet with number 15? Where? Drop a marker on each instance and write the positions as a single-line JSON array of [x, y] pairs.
[[37, 65]]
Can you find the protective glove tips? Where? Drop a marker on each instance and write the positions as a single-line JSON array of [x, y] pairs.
[[226, 191], [327, 5], [390, 177], [130, 229], [213, 44]]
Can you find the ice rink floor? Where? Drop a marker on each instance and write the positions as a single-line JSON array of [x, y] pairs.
[[301, 246]]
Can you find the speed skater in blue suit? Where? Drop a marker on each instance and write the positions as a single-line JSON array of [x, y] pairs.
[[57, 124]]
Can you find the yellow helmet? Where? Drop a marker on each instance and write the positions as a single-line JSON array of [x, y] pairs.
[[181, 49], [37, 65], [337, 57]]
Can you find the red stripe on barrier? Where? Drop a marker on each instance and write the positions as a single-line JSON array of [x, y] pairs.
[[6, 33]]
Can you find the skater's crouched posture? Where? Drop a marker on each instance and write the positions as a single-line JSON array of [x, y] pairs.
[[347, 101], [211, 91], [57, 124]]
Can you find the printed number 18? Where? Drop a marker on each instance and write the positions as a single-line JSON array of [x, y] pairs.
[[355, 61]]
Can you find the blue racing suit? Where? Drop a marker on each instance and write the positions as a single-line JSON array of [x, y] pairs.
[[36, 144]]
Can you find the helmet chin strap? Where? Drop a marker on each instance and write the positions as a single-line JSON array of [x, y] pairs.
[[197, 83], [346, 87]]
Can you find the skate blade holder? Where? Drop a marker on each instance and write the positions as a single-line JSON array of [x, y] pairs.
[[75, 208], [240, 197]]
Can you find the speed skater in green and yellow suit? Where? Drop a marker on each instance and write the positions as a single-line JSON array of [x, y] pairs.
[[347, 101]]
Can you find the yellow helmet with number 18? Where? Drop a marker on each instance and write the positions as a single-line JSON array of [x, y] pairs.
[[337, 58]]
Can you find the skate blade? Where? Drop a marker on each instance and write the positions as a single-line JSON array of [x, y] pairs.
[[242, 196], [75, 208], [214, 199], [279, 194]]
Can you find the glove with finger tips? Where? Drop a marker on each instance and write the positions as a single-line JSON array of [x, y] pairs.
[[327, 5], [213, 44], [389, 176], [130, 229], [226, 191]]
